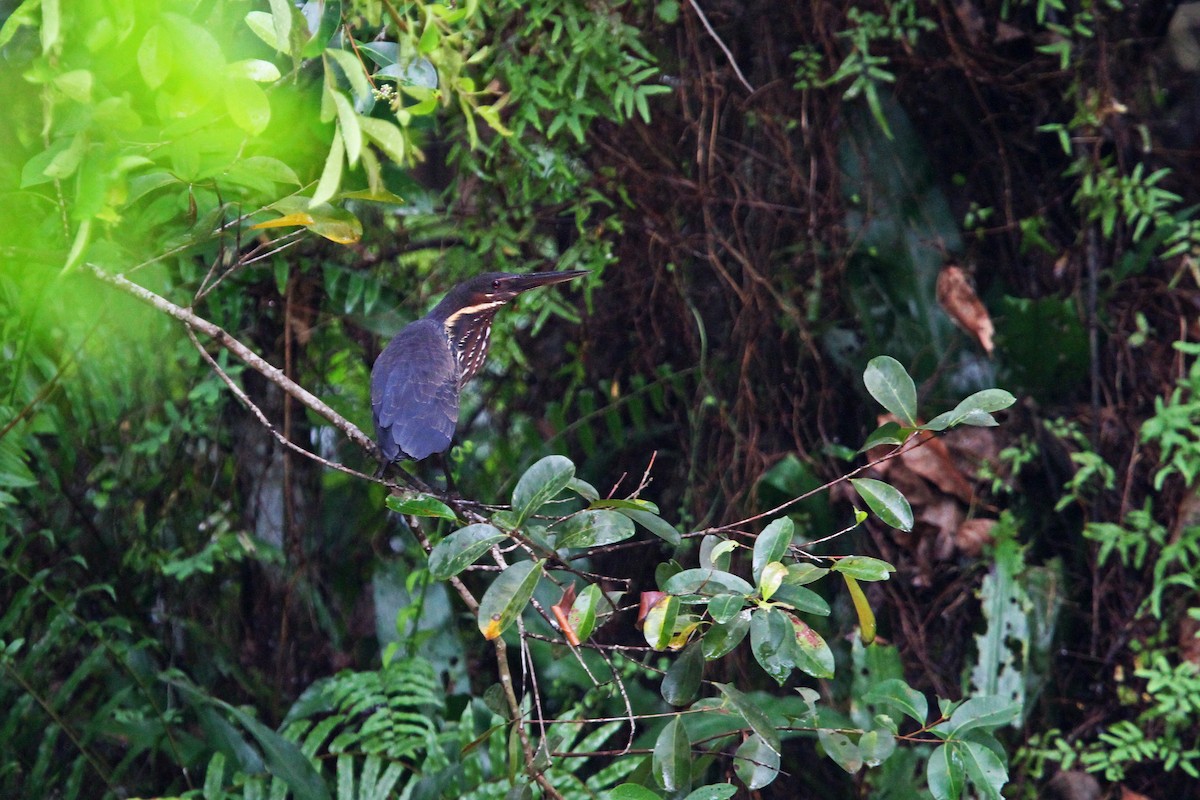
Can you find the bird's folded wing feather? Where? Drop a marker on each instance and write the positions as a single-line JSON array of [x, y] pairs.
[[414, 393]]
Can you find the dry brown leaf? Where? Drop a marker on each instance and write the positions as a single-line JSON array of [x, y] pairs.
[[973, 534], [933, 463], [971, 19], [957, 298]]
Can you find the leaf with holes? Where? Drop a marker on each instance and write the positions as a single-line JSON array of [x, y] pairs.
[[592, 529], [755, 763]]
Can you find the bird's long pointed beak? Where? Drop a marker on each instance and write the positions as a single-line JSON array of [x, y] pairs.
[[522, 283]]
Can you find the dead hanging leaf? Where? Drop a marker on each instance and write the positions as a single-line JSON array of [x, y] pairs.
[[648, 601], [973, 534], [957, 298], [561, 610]]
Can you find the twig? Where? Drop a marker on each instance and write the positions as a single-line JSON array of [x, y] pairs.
[[252, 359], [704, 21]]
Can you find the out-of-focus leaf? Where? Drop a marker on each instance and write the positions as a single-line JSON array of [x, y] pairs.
[[876, 747], [755, 762], [681, 684], [335, 224], [714, 791], [839, 748], [889, 383], [886, 501], [541, 483], [945, 773], [672, 760], [507, 597], [461, 549], [898, 695], [631, 791]]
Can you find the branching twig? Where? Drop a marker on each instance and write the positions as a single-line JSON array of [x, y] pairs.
[[252, 359], [704, 21]]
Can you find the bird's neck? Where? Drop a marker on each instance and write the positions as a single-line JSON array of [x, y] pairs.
[[469, 335]]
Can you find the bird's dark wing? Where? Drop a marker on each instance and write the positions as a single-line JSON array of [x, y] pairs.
[[414, 393]]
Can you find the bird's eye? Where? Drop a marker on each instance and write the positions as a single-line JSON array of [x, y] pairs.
[[496, 284]]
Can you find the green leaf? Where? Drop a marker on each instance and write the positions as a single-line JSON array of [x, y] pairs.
[[896, 694], [981, 712], [772, 578], [541, 483], [254, 69], [331, 175], [247, 105], [945, 773], [725, 607], [461, 549], [282, 14], [592, 529], [721, 639], [770, 642], [631, 791], [421, 505], [771, 544], [805, 572], [351, 131], [714, 791], [681, 684], [801, 599], [841, 750], [889, 383], [888, 433], [582, 616], [507, 597], [876, 747], [335, 224], [387, 136], [706, 582], [655, 524], [863, 568], [985, 769], [886, 501], [752, 715], [154, 56], [672, 760], [811, 654], [352, 68], [583, 489], [756, 762], [659, 624]]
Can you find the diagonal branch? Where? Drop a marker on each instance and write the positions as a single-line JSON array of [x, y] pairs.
[[252, 359]]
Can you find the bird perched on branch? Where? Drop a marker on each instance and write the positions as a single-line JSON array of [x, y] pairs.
[[416, 379]]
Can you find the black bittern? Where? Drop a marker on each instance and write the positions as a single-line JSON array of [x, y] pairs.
[[416, 379]]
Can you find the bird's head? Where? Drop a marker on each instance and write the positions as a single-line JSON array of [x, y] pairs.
[[487, 292]]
